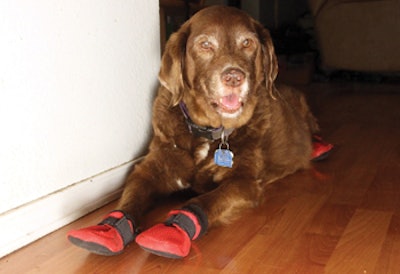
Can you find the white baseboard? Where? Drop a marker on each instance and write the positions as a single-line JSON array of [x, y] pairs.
[[34, 220]]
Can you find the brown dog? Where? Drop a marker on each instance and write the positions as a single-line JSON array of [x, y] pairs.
[[221, 128]]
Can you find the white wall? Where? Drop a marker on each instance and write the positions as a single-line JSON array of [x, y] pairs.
[[76, 83]]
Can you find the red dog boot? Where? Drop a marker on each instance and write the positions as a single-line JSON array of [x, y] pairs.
[[321, 149], [172, 239], [109, 237]]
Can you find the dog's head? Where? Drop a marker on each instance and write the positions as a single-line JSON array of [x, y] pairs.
[[216, 63]]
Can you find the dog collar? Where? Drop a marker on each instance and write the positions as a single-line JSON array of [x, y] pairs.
[[200, 131]]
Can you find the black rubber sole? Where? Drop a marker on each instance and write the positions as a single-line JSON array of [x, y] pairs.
[[162, 254], [93, 247], [323, 156]]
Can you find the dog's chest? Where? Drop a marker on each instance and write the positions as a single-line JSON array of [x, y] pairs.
[[201, 152], [207, 170]]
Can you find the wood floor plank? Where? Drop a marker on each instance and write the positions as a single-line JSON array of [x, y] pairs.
[[384, 191], [390, 255], [361, 243], [276, 245]]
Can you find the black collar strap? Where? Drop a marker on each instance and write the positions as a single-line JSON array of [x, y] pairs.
[[200, 131]]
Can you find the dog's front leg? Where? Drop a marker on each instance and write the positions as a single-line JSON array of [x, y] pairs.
[[225, 203], [161, 173], [155, 176], [173, 238]]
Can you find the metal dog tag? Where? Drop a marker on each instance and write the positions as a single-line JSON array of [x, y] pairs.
[[223, 157]]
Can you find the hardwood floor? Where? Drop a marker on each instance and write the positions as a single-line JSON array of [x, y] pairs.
[[342, 216]]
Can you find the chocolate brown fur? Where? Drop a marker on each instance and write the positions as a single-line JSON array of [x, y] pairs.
[[272, 125]]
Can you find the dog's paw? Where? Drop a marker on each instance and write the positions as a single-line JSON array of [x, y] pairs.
[[110, 237], [169, 241]]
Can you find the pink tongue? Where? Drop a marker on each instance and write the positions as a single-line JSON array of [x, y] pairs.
[[231, 101]]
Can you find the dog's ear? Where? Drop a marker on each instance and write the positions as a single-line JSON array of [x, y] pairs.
[[270, 61], [172, 64]]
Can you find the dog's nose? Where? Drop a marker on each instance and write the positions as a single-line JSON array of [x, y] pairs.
[[233, 77]]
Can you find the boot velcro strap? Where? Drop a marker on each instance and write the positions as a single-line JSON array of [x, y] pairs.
[[201, 219], [123, 227], [184, 222]]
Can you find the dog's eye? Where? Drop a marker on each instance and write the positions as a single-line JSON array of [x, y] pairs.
[[206, 45], [246, 43]]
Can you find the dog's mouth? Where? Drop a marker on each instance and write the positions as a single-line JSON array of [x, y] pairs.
[[229, 104]]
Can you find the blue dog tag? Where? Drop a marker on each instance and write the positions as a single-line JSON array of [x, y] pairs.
[[223, 157]]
